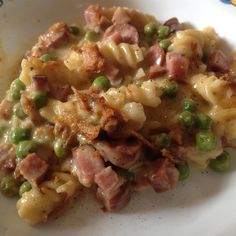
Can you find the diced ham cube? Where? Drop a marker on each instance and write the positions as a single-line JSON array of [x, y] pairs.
[[7, 157], [40, 83], [177, 66], [164, 176], [56, 35], [219, 62], [109, 181], [122, 33], [120, 16], [33, 168], [117, 202], [112, 72], [6, 107], [155, 56], [60, 91], [88, 163], [92, 16], [156, 71], [121, 153]]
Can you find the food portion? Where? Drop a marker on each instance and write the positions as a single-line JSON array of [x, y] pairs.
[[123, 103]]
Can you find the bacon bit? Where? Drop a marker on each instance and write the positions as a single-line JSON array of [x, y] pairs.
[[155, 55], [56, 35], [93, 61], [33, 168], [7, 157], [164, 176], [168, 155], [40, 83], [156, 71], [120, 16], [6, 109]]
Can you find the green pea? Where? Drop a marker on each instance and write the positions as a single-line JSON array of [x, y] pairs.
[[162, 140], [59, 149], [102, 82], [40, 98], [25, 187], [18, 111], [189, 105], [74, 30], [183, 169], [171, 89], [91, 36], [47, 57], [23, 148], [206, 141], [163, 31], [204, 121], [150, 29], [9, 186], [165, 43], [187, 119], [221, 163], [19, 134], [15, 89]]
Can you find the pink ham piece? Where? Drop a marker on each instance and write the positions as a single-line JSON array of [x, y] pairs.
[[155, 56], [109, 181], [104, 23], [92, 17], [60, 91], [112, 73], [33, 168], [40, 83], [122, 154], [112, 192], [7, 157], [156, 71], [88, 163], [119, 201], [6, 107], [56, 35], [177, 66], [219, 62], [164, 176], [122, 33], [120, 16]]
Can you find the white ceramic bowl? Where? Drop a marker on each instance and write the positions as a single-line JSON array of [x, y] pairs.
[[202, 205]]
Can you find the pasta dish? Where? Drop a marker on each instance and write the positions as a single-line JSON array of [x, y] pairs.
[[122, 103]]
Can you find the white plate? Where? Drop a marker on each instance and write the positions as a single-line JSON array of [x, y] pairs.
[[203, 205]]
